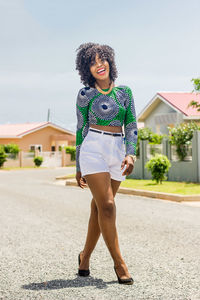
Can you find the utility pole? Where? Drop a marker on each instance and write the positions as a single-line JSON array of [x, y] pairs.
[[48, 115]]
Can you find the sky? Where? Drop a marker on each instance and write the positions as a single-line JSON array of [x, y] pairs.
[[156, 44]]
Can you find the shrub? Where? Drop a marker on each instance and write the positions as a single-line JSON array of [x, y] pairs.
[[158, 165], [38, 160], [12, 148], [156, 138], [71, 150], [181, 136], [147, 134], [2, 156], [144, 133]]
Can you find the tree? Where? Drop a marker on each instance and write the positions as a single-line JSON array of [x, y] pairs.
[[196, 84], [181, 136], [2, 156]]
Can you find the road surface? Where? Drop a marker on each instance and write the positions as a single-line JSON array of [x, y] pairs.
[[43, 227]]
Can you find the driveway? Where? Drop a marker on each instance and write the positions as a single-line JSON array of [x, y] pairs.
[[43, 227]]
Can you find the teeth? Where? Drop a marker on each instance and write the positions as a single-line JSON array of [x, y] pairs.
[[100, 70]]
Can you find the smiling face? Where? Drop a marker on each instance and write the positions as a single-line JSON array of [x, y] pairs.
[[100, 69]]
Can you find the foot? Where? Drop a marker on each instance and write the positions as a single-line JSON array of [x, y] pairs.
[[122, 271], [84, 265]]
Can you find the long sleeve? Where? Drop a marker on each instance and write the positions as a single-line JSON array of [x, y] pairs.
[[130, 124], [82, 122]]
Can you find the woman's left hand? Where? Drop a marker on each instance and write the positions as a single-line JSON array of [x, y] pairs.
[[129, 162]]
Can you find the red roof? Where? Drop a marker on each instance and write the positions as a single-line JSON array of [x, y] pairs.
[[180, 101], [18, 130]]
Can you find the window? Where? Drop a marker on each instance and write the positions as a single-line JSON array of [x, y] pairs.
[[35, 147]]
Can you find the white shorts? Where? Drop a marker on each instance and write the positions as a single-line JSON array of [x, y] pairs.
[[102, 153]]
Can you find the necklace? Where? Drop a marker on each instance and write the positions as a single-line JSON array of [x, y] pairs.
[[104, 92]]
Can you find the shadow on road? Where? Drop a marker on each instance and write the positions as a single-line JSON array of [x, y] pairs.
[[60, 283]]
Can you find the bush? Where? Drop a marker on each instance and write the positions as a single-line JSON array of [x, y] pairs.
[[158, 165], [2, 156], [12, 148], [147, 134], [181, 136], [71, 150], [38, 160], [156, 138], [143, 134]]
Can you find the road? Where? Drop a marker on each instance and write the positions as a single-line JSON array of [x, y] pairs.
[[43, 227]]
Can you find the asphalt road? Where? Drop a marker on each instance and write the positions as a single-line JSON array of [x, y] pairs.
[[43, 228]]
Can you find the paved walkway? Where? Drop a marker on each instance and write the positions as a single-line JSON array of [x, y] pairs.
[[43, 228]]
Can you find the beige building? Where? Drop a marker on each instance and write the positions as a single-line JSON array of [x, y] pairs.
[[44, 136]]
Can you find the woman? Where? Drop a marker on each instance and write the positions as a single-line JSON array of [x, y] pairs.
[[102, 161]]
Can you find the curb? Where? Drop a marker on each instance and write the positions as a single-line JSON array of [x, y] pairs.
[[151, 194]]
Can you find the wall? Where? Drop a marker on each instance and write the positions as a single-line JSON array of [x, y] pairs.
[[162, 108], [188, 171], [24, 159], [9, 141], [50, 159]]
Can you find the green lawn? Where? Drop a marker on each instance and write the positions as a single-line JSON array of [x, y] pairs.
[[21, 168], [183, 188]]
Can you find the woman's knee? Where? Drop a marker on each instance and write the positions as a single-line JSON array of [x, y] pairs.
[[107, 208]]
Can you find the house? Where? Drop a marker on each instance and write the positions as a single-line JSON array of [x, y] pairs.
[[167, 109], [44, 136]]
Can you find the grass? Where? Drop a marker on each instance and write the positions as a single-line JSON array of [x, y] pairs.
[[21, 168], [174, 187]]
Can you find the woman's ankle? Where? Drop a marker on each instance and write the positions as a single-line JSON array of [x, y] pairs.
[[85, 258], [84, 262], [85, 255], [122, 271], [119, 263]]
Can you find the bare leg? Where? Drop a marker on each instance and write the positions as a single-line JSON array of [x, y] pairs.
[[94, 230], [93, 235], [107, 216]]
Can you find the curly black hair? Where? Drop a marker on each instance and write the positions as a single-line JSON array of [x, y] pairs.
[[86, 57]]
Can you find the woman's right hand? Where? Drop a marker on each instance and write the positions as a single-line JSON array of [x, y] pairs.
[[80, 180]]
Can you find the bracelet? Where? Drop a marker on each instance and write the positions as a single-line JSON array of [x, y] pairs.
[[133, 156]]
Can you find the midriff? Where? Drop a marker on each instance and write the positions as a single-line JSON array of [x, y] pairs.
[[107, 128]]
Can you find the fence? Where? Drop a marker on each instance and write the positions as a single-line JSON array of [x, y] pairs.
[[187, 170], [50, 159]]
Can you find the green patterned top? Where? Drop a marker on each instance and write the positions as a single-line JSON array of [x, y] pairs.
[[114, 109]]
